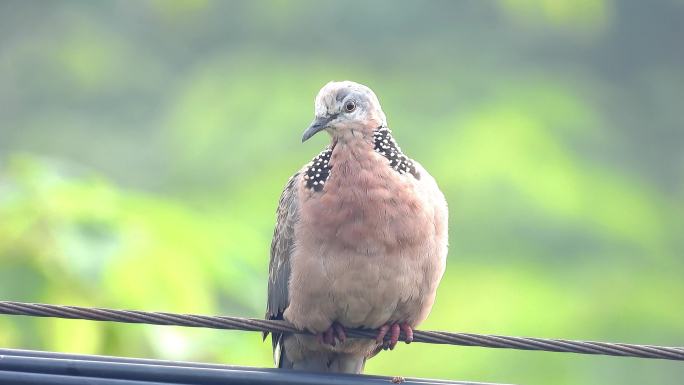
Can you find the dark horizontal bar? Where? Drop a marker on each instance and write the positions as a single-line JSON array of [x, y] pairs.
[[23, 378], [125, 360], [24, 367]]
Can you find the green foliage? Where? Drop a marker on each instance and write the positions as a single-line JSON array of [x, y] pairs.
[[143, 150]]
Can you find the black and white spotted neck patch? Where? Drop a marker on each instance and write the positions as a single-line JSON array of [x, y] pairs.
[[386, 146], [318, 171]]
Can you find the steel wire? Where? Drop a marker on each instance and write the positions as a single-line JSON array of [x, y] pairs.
[[261, 325]]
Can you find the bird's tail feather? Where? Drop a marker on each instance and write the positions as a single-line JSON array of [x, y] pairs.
[[320, 361], [329, 363]]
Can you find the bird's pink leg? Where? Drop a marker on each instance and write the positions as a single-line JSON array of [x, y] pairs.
[[394, 330], [339, 332], [382, 331], [330, 335], [326, 337], [408, 331]]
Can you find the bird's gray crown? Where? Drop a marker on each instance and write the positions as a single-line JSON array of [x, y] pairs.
[[342, 105], [332, 97]]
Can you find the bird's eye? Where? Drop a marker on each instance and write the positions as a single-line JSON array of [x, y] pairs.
[[349, 106]]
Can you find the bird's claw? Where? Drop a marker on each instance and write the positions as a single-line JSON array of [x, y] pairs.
[[335, 333], [394, 330]]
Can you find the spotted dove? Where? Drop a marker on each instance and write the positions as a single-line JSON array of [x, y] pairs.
[[360, 240]]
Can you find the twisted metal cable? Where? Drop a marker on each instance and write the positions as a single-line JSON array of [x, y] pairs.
[[251, 324]]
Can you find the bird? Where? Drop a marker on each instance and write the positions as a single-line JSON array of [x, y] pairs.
[[360, 240]]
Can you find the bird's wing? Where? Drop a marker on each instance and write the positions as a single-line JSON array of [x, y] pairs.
[[281, 249]]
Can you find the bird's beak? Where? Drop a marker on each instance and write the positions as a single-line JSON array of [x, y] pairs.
[[319, 124]]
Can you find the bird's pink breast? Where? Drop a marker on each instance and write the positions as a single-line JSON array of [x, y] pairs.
[[367, 206]]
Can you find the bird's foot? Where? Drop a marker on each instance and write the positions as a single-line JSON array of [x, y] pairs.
[[394, 330], [335, 333]]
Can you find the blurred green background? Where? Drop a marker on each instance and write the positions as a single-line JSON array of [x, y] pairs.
[[143, 147]]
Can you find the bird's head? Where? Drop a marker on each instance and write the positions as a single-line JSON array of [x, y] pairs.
[[346, 109]]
